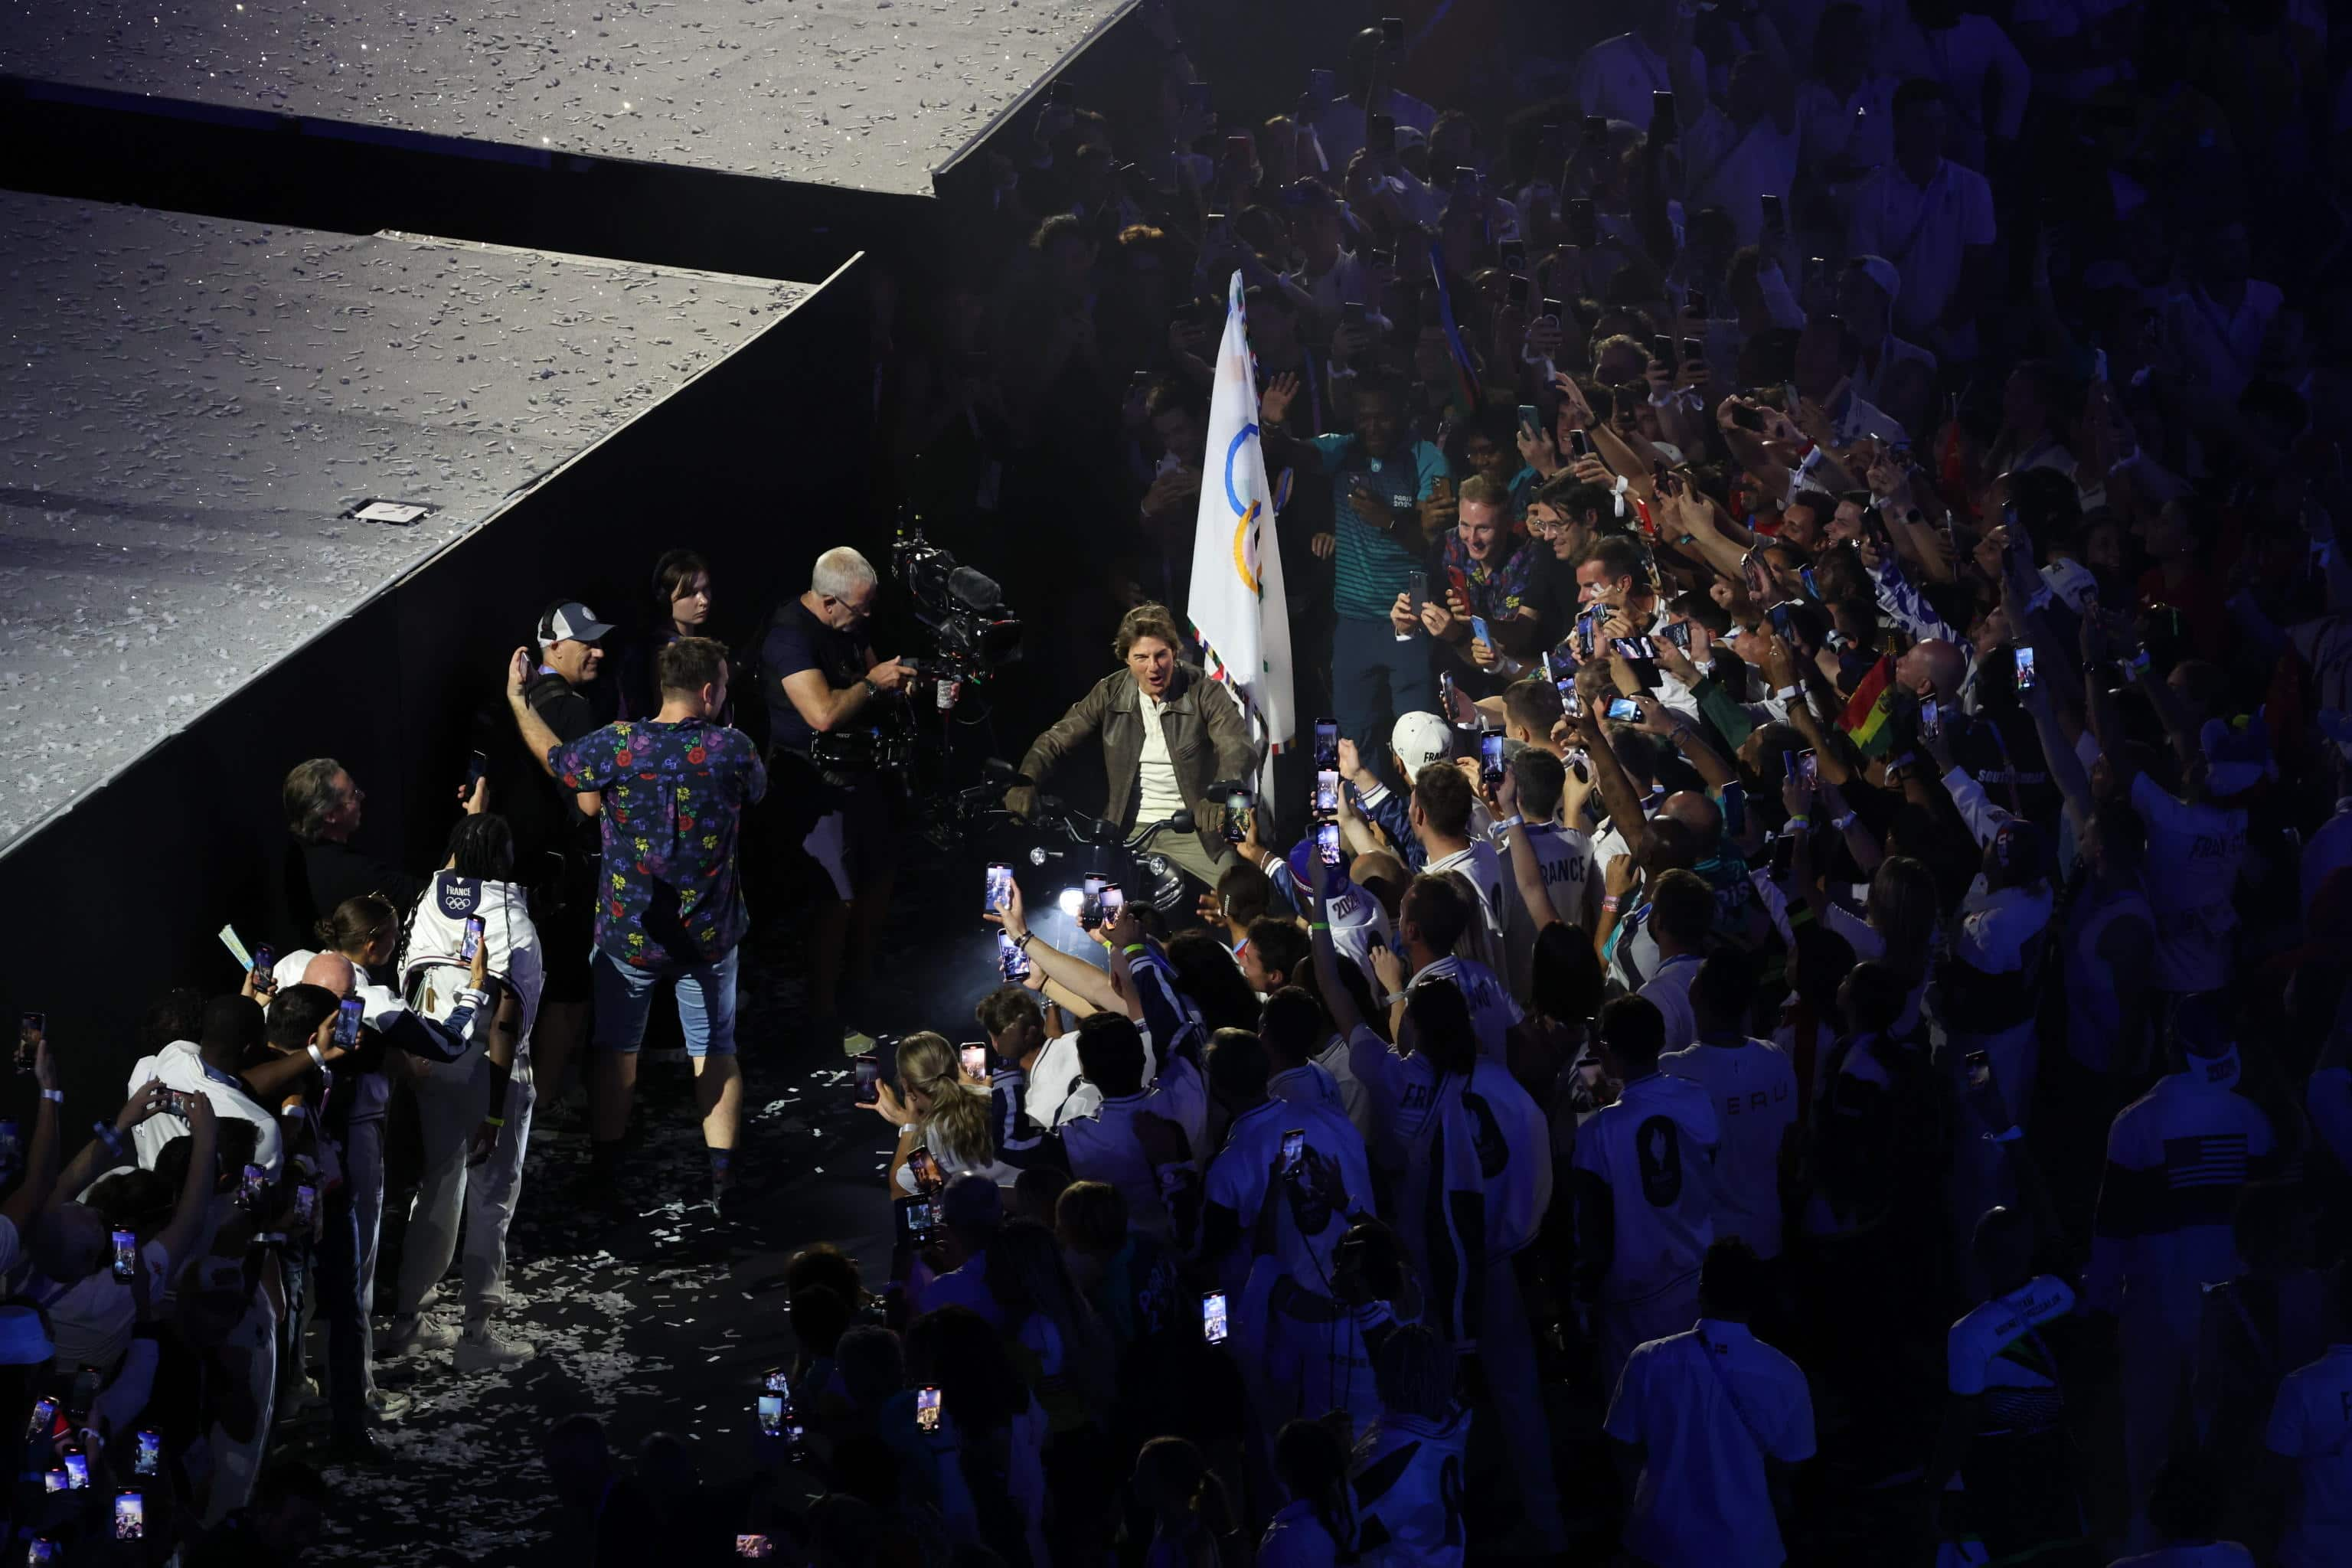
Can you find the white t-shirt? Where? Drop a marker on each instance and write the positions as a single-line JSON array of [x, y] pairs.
[[181, 1067], [1493, 1011], [1058, 1090], [1668, 991], [1923, 230], [1708, 1406], [1157, 797], [1565, 859], [1654, 1151], [1732, 166], [1487, 876], [2311, 1422], [2200, 848], [1754, 1086], [1104, 1146], [1236, 1179], [1327, 1080]]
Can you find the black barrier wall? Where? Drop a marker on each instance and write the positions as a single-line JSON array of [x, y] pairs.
[[760, 463]]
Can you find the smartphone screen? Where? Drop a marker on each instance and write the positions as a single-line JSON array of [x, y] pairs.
[[754, 1546], [1979, 1068], [1583, 224], [927, 1409], [1326, 790], [265, 960], [1327, 842], [1775, 221], [916, 1217], [306, 1204], [256, 1183], [476, 764], [32, 1029], [1624, 710], [1678, 632], [472, 941], [130, 1517], [1237, 817], [2025, 676], [1010, 961], [54, 1480], [1327, 742], [44, 1417], [1782, 621], [77, 1464], [868, 1068], [1294, 1149], [1114, 900], [1757, 575], [924, 1169], [1570, 701], [776, 1379], [1090, 902], [347, 1021], [999, 894], [1931, 718], [1633, 647], [1579, 445], [126, 1254], [1809, 768], [1212, 1317], [772, 1414], [974, 1058], [1490, 756]]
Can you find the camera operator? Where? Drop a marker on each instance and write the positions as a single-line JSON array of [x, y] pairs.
[[826, 694], [1195, 736]]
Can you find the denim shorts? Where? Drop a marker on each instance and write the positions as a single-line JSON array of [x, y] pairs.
[[706, 1003]]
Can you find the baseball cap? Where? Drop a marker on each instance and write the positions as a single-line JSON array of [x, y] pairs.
[[1419, 740], [571, 622], [2076, 586], [1301, 861]]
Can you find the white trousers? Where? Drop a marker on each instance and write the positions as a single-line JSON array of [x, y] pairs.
[[450, 1103]]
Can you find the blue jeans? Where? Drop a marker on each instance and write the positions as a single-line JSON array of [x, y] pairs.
[[706, 1003], [1375, 679], [333, 1270]]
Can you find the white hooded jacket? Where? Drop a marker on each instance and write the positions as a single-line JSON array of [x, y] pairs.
[[437, 933]]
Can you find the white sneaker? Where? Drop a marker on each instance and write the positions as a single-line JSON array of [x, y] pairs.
[[388, 1404], [483, 1350], [417, 1332], [302, 1393]]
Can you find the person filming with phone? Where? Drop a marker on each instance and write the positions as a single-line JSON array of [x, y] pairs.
[[1167, 734]]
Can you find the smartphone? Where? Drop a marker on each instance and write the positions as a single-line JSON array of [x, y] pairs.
[[1393, 32], [1694, 302], [1322, 84], [130, 1516], [1662, 117], [1757, 575], [1240, 149], [256, 1183], [924, 1170], [1465, 180], [347, 1022], [1587, 630], [1583, 224], [1327, 842], [1327, 742], [45, 1418], [1776, 220], [126, 1254], [975, 1060], [1478, 630], [1237, 816], [1010, 962], [265, 962], [1931, 718], [1782, 621], [918, 1219], [1748, 418], [77, 1464], [754, 1546], [1090, 902], [1661, 351], [471, 943], [1809, 768], [55, 1480], [927, 1409], [1579, 445], [1327, 791], [776, 1379], [32, 1029], [1531, 419], [1294, 1148], [42, 1550], [1490, 756], [1351, 313], [998, 894], [1553, 311], [868, 1068], [476, 764], [1979, 1068], [1196, 96], [1571, 701], [1624, 710], [1114, 900], [2025, 676], [1694, 351], [1212, 1317], [1633, 647], [1416, 591], [1379, 134], [1678, 632], [771, 1407], [1596, 132], [1445, 696]]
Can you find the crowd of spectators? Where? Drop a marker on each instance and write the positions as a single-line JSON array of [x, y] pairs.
[[1824, 1034]]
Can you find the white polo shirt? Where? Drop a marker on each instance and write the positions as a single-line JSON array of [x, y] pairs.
[[1058, 1090], [2311, 1424], [1923, 230], [1104, 1146], [1668, 991], [1708, 1406], [181, 1067]]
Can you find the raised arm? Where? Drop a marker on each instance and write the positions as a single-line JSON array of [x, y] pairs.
[[1066, 969], [25, 1204], [188, 1217]]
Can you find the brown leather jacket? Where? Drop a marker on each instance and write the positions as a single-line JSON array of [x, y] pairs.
[[1207, 740]]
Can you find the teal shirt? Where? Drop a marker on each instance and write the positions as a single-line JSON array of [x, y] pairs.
[[1369, 566]]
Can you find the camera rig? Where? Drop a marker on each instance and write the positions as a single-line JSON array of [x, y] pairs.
[[963, 609]]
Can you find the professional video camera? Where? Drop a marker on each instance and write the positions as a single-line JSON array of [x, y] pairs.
[[964, 610]]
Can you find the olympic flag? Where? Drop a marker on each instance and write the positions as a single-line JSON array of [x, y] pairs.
[[1238, 611]]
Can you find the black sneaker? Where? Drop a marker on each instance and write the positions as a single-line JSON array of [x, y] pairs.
[[358, 1450]]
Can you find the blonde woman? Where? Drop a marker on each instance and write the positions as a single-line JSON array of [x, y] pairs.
[[938, 1111]]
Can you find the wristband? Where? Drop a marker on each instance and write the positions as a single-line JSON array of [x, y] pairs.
[[317, 1057], [1842, 823], [1609, 903], [867, 682], [1023, 940], [1797, 822], [54, 1096], [495, 1121], [1392, 998], [1132, 948], [1319, 925], [1510, 822]]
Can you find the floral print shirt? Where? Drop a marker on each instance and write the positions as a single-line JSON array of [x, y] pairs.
[[674, 799]]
